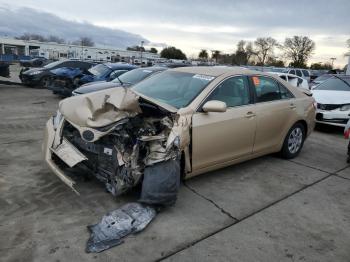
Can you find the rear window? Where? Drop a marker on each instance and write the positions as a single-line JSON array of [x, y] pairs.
[[334, 84]]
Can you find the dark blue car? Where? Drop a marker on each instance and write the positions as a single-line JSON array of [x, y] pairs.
[[105, 72]]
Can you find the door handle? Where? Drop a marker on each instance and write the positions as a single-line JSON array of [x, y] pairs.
[[250, 114], [292, 106]]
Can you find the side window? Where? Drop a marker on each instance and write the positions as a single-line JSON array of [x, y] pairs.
[[298, 73], [233, 91], [292, 72], [306, 73], [266, 89], [285, 93]]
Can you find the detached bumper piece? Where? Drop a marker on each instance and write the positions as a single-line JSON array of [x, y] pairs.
[[116, 225]]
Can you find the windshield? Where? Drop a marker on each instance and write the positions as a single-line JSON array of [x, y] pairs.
[[133, 76], [53, 64], [334, 84], [100, 70], [177, 89]]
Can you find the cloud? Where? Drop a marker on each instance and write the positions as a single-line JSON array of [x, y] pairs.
[[15, 22]]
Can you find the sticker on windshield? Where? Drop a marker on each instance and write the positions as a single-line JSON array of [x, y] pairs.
[[204, 77]]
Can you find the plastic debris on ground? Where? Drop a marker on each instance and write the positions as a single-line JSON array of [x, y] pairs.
[[114, 226]]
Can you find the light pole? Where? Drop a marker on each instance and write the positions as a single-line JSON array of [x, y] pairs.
[[142, 42], [333, 59]]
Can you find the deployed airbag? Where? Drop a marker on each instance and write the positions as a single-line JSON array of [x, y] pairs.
[[161, 183]]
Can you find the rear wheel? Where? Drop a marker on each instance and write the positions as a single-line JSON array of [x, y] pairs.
[[294, 141]]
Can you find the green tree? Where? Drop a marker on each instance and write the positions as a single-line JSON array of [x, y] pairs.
[[215, 55], [264, 47], [320, 66], [203, 55], [172, 53], [153, 50], [299, 50]]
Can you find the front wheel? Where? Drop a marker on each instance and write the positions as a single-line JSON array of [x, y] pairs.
[[44, 82], [294, 141]]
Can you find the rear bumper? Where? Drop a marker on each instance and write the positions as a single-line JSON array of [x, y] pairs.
[[49, 139]]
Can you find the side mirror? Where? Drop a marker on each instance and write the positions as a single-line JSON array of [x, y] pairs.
[[214, 106]]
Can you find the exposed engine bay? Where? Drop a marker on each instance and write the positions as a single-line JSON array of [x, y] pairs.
[[119, 158]]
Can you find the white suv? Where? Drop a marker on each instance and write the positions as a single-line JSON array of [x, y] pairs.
[[299, 72]]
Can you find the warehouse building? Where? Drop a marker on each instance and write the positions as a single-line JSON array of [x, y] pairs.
[[15, 49]]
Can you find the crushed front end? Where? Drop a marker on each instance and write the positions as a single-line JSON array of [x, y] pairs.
[[115, 152]]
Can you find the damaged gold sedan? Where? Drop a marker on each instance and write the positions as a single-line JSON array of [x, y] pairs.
[[202, 118]]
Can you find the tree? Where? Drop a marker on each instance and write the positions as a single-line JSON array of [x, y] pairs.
[[271, 61], [136, 48], [243, 53], [153, 50], [215, 55], [298, 49], [264, 47], [172, 53], [320, 66], [84, 41], [55, 39], [203, 55]]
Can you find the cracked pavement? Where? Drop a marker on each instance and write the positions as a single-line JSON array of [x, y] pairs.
[[267, 209]]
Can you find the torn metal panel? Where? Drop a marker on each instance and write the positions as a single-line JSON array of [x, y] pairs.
[[116, 225], [68, 153]]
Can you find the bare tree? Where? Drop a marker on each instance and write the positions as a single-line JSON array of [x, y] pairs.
[[298, 49], [264, 47], [84, 41]]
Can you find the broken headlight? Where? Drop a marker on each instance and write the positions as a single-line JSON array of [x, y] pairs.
[[56, 119]]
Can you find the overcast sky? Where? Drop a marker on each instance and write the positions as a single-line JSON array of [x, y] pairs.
[[205, 24]]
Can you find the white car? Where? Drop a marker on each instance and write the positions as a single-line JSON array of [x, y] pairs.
[[333, 100], [293, 80], [303, 73]]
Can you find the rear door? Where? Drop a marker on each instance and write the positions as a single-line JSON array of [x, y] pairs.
[[218, 137], [275, 112]]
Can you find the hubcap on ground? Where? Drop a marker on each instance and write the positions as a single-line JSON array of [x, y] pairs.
[[295, 139]]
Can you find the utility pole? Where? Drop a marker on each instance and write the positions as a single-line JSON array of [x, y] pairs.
[[333, 59], [142, 42]]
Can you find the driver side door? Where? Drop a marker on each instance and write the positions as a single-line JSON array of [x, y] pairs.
[[219, 137]]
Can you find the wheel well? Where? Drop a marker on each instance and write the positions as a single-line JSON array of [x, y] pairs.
[[303, 122]]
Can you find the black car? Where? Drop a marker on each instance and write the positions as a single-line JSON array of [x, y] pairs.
[[127, 79], [40, 76]]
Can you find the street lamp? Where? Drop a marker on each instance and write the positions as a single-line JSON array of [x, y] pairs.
[[142, 42], [333, 59]]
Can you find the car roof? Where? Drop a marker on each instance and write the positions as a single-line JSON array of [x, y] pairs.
[[216, 70]]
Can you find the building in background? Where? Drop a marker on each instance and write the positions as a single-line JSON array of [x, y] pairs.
[[15, 49]]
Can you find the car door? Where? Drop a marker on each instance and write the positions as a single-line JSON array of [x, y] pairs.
[[218, 137], [275, 112]]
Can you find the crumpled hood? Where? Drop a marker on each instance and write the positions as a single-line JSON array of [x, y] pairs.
[[100, 109], [331, 97], [95, 86], [66, 72]]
